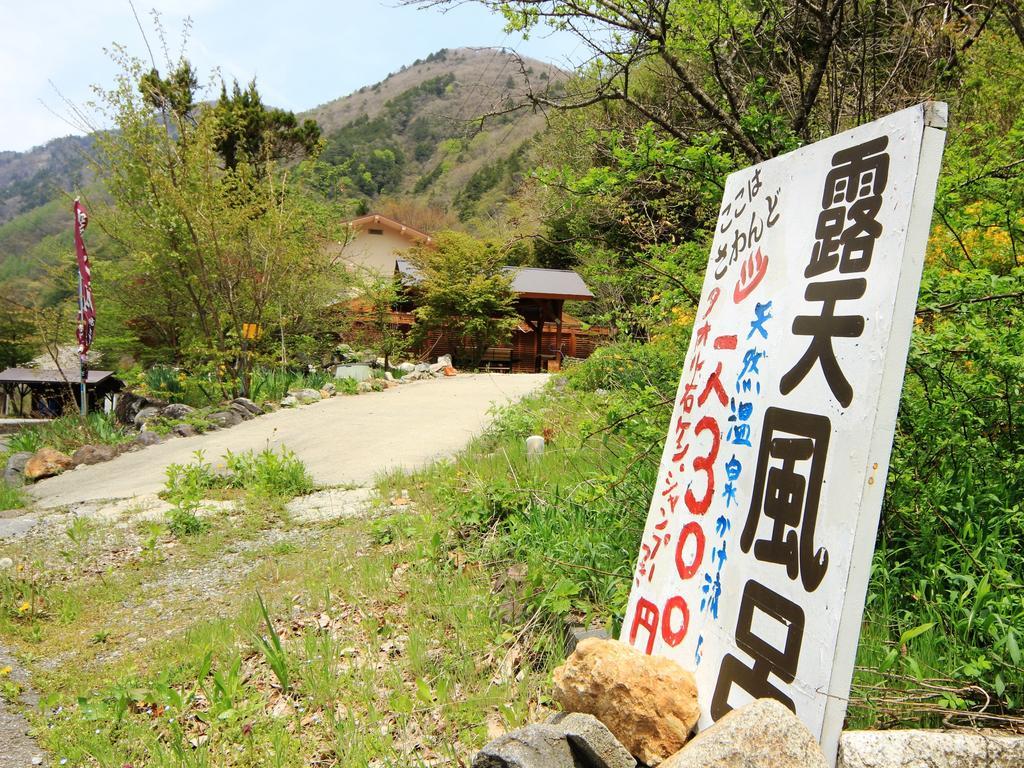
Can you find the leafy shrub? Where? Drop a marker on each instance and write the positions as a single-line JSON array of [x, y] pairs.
[[619, 366], [182, 521], [69, 433], [189, 483], [280, 475]]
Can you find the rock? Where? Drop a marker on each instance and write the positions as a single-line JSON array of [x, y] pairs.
[[406, 367], [326, 394], [241, 410], [94, 454], [249, 405], [364, 386], [437, 368], [225, 419], [421, 368], [761, 734], [357, 372], [46, 462], [305, 396], [648, 702], [184, 430], [389, 376], [445, 361], [330, 389], [449, 371], [145, 414], [290, 401], [14, 472], [129, 405], [935, 749], [535, 746], [146, 439], [176, 411], [576, 635], [591, 742]]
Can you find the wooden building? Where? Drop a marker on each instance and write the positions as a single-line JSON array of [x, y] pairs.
[[48, 393]]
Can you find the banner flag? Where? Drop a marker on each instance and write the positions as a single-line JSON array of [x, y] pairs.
[[86, 308]]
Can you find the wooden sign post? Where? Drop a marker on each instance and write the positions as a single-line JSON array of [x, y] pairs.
[[755, 559]]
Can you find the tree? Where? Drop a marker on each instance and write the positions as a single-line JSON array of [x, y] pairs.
[[378, 296], [217, 245], [464, 294]]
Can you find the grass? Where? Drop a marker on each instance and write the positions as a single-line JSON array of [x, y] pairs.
[[12, 497], [336, 650], [67, 434]]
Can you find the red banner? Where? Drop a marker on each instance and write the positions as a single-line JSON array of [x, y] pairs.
[[86, 308]]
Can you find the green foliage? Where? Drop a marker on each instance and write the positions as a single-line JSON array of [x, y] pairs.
[[69, 433], [268, 473], [378, 296], [270, 646], [463, 293], [12, 497]]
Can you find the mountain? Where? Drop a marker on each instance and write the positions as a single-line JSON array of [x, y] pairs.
[[414, 135]]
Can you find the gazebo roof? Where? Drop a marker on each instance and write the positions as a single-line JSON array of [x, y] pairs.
[[51, 376], [527, 282]]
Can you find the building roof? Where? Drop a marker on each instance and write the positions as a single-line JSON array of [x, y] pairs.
[[375, 219], [527, 282], [51, 376]]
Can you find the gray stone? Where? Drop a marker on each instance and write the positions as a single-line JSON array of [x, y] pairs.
[[421, 368], [145, 414], [16, 527], [444, 361], [176, 411], [184, 430], [437, 368], [249, 405], [290, 401], [573, 636], [762, 734], [591, 742], [364, 386], [94, 454], [357, 372], [305, 396], [146, 439], [14, 472], [242, 411], [535, 746], [330, 389], [225, 419], [929, 749], [389, 376], [129, 405], [407, 367]]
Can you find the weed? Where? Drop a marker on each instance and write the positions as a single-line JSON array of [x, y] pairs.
[[12, 497], [270, 645], [271, 474], [182, 521]]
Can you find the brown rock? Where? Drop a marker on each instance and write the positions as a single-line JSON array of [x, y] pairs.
[[649, 703], [46, 463], [762, 734], [93, 454]]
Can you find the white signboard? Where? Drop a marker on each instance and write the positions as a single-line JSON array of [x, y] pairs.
[[755, 558]]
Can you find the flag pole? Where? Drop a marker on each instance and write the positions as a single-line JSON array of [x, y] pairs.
[[82, 389]]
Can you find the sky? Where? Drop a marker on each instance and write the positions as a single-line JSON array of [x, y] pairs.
[[301, 52]]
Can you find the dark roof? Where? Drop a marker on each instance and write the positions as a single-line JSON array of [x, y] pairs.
[[527, 282], [51, 376]]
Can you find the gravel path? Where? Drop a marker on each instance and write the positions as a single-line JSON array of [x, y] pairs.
[[343, 440]]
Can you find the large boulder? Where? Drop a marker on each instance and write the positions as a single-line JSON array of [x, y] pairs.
[[46, 462], [146, 439], [184, 430], [305, 396], [407, 367], [14, 471], [94, 454], [535, 746], [591, 741], [934, 749], [225, 419], [762, 734], [648, 702], [129, 405], [176, 411], [145, 414], [249, 405], [241, 410]]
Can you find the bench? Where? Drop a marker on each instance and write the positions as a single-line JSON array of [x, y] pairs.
[[497, 359]]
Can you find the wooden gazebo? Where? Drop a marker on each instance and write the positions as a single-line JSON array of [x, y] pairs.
[[540, 298], [45, 393]]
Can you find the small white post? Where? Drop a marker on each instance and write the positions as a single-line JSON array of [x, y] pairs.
[[534, 447]]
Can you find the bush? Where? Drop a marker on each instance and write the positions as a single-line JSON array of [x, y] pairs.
[[279, 475], [69, 433], [11, 497]]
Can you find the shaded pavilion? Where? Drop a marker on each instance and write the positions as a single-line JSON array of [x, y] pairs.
[[48, 392]]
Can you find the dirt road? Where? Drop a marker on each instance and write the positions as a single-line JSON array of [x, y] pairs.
[[344, 440]]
